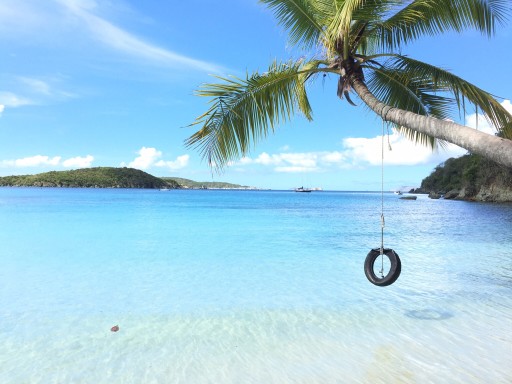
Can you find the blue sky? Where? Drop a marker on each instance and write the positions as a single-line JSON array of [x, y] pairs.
[[87, 83]]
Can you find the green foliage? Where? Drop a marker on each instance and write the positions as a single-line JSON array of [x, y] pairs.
[[186, 183], [469, 172], [360, 42], [99, 177], [243, 110]]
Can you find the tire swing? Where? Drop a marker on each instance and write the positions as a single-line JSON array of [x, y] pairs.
[[395, 265], [394, 269]]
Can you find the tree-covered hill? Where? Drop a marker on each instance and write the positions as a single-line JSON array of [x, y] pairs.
[[186, 183], [99, 177], [470, 177]]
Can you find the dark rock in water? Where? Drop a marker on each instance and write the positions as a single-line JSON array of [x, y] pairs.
[[408, 197], [453, 194], [434, 195]]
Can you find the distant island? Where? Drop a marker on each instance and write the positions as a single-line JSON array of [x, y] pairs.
[[469, 177], [190, 184], [109, 177]]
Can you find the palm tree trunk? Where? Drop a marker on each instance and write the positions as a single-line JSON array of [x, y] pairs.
[[492, 147]]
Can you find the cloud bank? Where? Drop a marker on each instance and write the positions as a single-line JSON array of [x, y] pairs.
[[355, 153], [359, 152], [151, 157], [118, 39], [49, 18], [41, 161]]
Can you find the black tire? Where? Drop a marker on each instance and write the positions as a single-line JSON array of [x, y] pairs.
[[394, 270]]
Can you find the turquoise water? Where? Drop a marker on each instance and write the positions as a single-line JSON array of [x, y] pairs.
[[250, 287]]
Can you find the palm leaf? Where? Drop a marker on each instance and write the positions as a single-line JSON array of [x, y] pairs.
[[436, 79], [337, 32], [301, 18], [432, 17], [243, 111], [390, 86], [406, 90]]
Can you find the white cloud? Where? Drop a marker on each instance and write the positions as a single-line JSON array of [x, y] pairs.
[[333, 157], [292, 169], [151, 157], [266, 159], [356, 153], [9, 99], [2, 107], [36, 85], [36, 161], [121, 40], [482, 124], [507, 105], [147, 157], [36, 20], [41, 161], [285, 162], [361, 151], [33, 161], [78, 162], [302, 160], [179, 163], [21, 16]]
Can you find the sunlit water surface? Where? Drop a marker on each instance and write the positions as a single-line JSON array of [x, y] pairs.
[[250, 287]]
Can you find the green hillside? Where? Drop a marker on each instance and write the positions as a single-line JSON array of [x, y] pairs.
[[186, 183], [99, 177], [469, 177]]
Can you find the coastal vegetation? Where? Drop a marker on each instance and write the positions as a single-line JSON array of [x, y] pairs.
[[110, 177], [98, 177], [470, 177], [191, 184], [360, 43]]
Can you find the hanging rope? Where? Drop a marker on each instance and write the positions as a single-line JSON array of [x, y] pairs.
[[476, 111], [382, 223], [396, 265]]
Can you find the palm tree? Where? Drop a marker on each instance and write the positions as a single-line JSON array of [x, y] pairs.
[[359, 41]]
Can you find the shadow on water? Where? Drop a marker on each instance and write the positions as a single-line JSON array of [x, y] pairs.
[[429, 314]]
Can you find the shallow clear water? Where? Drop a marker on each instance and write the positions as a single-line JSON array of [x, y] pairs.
[[250, 287]]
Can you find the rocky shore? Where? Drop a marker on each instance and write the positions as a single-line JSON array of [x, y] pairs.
[[470, 178]]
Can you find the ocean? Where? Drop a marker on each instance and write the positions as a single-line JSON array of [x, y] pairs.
[[218, 286]]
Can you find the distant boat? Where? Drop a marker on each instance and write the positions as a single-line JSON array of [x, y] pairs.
[[398, 192], [302, 189], [408, 197]]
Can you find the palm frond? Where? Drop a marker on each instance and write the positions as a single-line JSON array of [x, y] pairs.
[[338, 28], [435, 79], [406, 90], [394, 88], [432, 17], [301, 18], [243, 111]]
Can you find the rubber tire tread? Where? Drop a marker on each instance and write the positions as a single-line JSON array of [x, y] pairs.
[[394, 270]]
